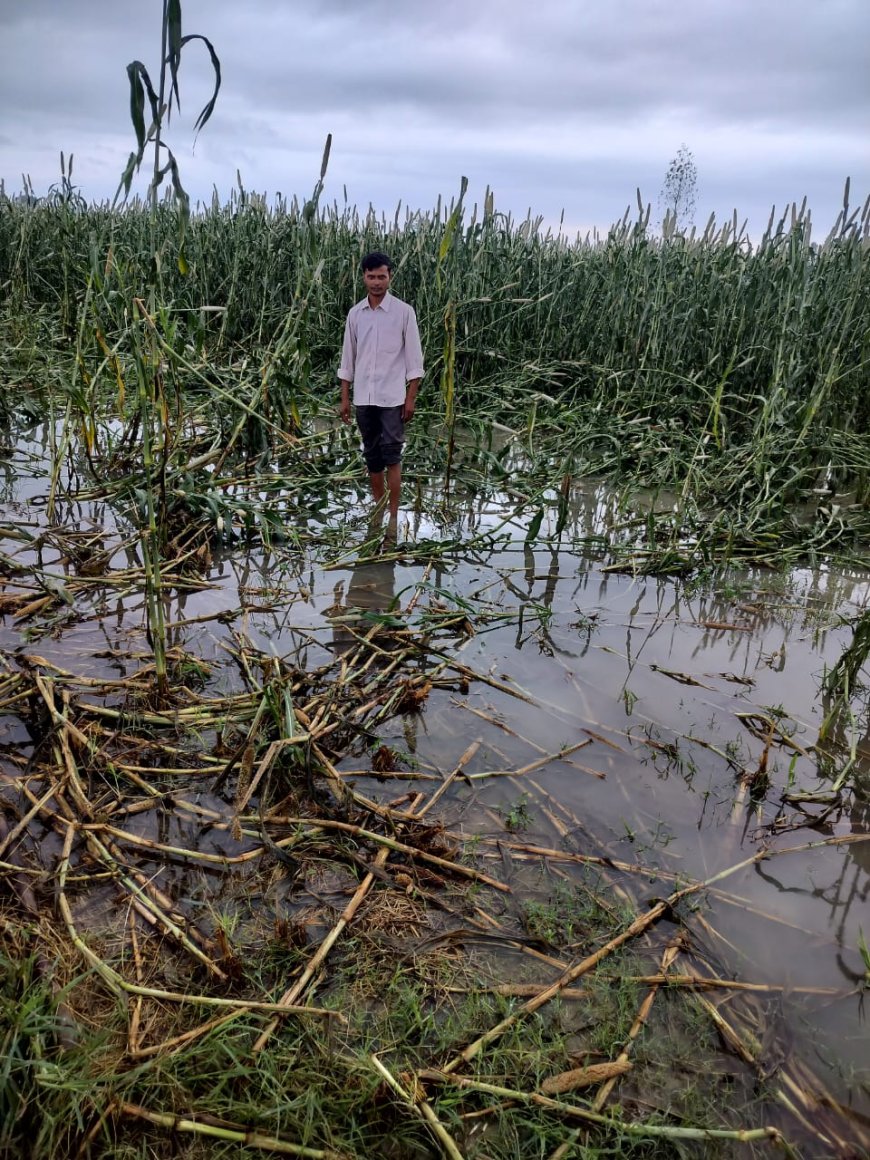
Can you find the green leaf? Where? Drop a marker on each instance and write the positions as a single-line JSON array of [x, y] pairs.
[[865, 950], [216, 65], [127, 175], [183, 209], [174, 41], [141, 73], [535, 525], [157, 180], [137, 103], [562, 518], [179, 191]]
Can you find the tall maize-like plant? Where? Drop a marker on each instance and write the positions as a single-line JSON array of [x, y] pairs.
[[149, 327], [160, 105]]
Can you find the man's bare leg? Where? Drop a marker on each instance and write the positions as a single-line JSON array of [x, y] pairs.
[[394, 486], [376, 480]]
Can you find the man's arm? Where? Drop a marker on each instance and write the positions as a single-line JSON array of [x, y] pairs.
[[345, 401]]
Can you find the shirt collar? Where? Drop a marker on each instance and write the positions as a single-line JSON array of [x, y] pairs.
[[385, 303]]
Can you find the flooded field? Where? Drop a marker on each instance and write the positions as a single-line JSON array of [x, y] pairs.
[[607, 757]]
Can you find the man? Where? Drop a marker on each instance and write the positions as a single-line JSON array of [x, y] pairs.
[[382, 357]]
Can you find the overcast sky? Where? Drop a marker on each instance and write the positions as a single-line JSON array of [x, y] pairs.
[[559, 105]]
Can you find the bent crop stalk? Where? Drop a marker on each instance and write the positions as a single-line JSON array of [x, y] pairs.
[[152, 530]]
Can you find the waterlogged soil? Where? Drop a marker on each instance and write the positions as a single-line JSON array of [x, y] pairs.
[[669, 724]]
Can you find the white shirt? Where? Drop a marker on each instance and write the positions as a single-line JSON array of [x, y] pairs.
[[381, 352]]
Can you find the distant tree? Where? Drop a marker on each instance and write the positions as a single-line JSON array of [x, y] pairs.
[[677, 197]]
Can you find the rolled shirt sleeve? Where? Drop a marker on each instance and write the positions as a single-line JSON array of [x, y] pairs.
[[413, 349], [381, 352]]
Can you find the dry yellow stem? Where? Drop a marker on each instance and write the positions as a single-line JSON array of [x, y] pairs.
[[581, 1077]]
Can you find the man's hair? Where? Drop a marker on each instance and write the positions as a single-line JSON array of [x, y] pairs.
[[375, 260]]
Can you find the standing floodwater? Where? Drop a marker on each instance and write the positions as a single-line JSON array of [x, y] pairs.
[[496, 763]]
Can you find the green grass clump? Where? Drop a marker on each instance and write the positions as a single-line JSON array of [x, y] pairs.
[[68, 1076]]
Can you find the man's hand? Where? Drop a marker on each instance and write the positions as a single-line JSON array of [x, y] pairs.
[[410, 401], [344, 409]]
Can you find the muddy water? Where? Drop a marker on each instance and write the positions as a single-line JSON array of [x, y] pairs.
[[662, 684], [648, 705]]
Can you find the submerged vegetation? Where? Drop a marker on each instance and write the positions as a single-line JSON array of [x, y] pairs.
[[297, 874]]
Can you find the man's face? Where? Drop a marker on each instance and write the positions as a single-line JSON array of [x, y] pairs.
[[377, 282]]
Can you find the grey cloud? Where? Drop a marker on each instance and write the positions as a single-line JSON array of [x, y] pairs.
[[563, 60], [555, 102]]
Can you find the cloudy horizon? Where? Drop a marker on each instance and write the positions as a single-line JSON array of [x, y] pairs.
[[564, 110]]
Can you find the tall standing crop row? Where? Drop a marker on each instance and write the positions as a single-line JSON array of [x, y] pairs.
[[785, 312], [702, 333]]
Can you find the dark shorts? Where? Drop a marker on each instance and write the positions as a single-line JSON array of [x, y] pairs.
[[383, 434]]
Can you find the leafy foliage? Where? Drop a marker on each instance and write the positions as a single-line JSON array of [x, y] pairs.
[[678, 197]]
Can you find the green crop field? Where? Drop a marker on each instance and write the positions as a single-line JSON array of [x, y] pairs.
[[230, 920]]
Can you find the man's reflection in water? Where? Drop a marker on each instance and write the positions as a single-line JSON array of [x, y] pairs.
[[363, 615], [366, 628]]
